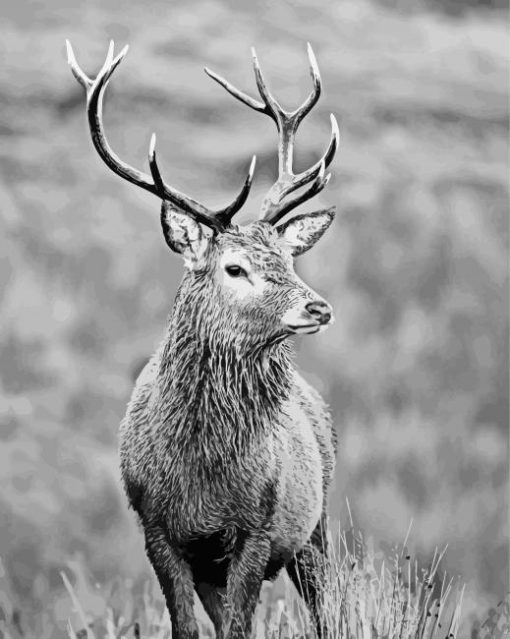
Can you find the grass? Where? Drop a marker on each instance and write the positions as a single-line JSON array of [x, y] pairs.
[[368, 593], [365, 595]]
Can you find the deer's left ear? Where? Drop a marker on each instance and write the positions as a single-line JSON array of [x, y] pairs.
[[301, 232], [184, 235]]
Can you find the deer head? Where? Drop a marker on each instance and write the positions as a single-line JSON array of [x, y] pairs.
[[239, 282]]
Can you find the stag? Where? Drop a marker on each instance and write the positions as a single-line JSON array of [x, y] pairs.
[[226, 451]]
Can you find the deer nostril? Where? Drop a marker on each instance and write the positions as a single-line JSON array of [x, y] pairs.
[[321, 311]]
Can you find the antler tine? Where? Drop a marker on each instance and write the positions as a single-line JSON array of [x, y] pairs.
[[314, 96], [165, 193], [78, 73], [273, 109], [287, 124], [327, 158], [239, 95], [228, 213], [153, 165], [321, 180], [217, 220]]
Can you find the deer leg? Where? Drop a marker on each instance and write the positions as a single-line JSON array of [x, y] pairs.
[[246, 574], [308, 572], [213, 602], [176, 581]]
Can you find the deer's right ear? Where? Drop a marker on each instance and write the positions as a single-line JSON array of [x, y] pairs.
[[183, 234]]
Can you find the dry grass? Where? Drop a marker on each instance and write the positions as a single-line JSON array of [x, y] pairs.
[[365, 595], [383, 594]]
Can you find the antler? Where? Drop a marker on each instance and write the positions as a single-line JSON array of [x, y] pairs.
[[217, 220], [273, 206]]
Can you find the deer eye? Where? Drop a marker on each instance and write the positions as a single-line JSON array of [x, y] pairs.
[[234, 270]]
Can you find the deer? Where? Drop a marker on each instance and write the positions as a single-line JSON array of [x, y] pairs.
[[227, 453]]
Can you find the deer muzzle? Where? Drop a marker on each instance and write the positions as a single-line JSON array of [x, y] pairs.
[[311, 317]]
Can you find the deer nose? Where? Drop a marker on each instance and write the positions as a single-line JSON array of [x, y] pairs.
[[320, 311]]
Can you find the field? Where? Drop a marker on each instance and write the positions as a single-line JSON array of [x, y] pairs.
[[415, 368]]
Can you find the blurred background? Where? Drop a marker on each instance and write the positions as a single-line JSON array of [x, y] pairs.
[[416, 366]]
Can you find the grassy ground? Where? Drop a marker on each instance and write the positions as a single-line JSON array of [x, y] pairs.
[[383, 594], [415, 368]]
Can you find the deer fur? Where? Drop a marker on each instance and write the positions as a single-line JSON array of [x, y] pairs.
[[227, 452]]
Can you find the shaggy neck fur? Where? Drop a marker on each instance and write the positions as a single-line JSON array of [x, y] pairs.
[[217, 395]]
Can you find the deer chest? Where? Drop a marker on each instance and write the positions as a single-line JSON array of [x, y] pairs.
[[237, 492]]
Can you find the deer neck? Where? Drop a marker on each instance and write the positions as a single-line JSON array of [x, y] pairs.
[[212, 388]]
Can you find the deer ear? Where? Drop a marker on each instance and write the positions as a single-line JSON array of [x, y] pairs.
[[301, 232], [183, 234]]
